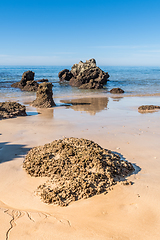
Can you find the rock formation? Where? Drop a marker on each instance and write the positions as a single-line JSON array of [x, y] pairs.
[[11, 109], [77, 168], [65, 75], [27, 82], [116, 90], [146, 108], [44, 96], [85, 75]]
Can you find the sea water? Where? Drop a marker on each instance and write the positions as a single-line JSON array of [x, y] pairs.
[[133, 80]]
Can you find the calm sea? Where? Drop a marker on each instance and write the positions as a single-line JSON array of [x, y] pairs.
[[133, 80]]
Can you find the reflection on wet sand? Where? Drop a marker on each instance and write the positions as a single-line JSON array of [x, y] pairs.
[[46, 112], [89, 105], [116, 99]]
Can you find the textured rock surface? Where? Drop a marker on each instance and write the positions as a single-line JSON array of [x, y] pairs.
[[27, 82], [44, 96], [65, 75], [42, 80], [116, 90], [85, 75], [148, 108], [82, 66], [78, 168], [11, 109]]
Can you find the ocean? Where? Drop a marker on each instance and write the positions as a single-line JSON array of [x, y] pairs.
[[133, 80]]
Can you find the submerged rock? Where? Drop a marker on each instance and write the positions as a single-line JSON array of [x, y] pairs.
[[145, 108], [27, 82], [116, 90], [11, 109], [85, 75], [44, 96], [77, 168]]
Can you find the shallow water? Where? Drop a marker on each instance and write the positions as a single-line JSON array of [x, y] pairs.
[[133, 80]]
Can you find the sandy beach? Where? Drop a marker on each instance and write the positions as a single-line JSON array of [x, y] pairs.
[[125, 213]]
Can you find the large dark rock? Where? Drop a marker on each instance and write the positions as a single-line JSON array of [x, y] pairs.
[[27, 82], [11, 109], [65, 75], [44, 96], [28, 76], [85, 75], [116, 90]]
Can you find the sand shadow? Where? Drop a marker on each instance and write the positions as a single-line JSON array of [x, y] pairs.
[[136, 170], [10, 151]]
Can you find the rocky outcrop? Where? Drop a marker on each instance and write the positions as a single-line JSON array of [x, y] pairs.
[[65, 75], [116, 90], [11, 109], [76, 168], [146, 108], [44, 96], [27, 82], [85, 75], [28, 76], [82, 66]]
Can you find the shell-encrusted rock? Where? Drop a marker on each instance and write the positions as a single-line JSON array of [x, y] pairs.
[[11, 109], [78, 168], [145, 108]]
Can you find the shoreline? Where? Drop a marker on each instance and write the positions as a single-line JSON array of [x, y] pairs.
[[126, 212]]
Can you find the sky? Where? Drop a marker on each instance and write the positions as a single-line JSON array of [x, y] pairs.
[[63, 32]]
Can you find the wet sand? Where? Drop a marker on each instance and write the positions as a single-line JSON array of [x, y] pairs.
[[126, 212]]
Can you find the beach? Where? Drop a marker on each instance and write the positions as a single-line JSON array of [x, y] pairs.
[[80, 120], [125, 212]]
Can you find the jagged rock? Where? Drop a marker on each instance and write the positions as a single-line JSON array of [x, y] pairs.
[[85, 75], [11, 109], [42, 80], [116, 90], [28, 75], [65, 75], [27, 82], [31, 86], [82, 66], [44, 96], [145, 108], [76, 168]]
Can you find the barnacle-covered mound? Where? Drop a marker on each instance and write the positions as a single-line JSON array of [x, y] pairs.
[[11, 109], [145, 108], [78, 168]]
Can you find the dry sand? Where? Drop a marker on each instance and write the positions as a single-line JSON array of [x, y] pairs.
[[126, 212]]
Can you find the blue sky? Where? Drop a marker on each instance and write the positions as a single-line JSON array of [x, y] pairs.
[[65, 32]]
